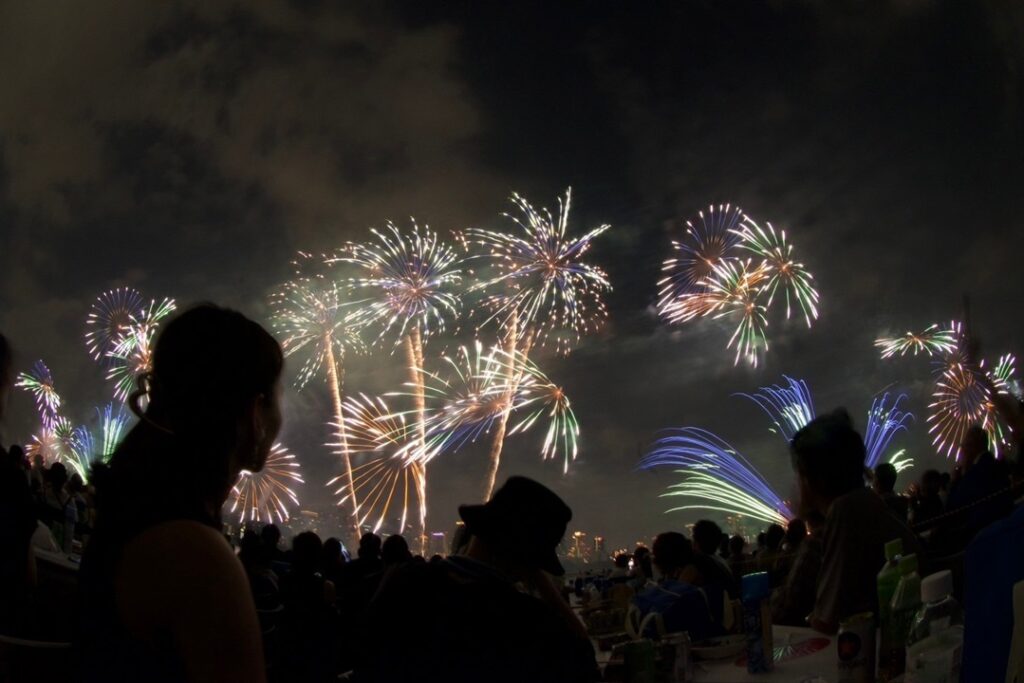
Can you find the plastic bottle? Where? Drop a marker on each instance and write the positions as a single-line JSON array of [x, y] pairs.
[[936, 638], [757, 622], [886, 584], [906, 601]]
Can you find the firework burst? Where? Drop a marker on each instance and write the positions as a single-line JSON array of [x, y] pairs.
[[795, 282], [716, 475], [789, 407], [130, 353], [962, 399], [386, 482], [267, 495], [39, 382], [547, 292], [736, 286], [111, 314], [310, 317], [710, 238], [934, 340], [412, 278]]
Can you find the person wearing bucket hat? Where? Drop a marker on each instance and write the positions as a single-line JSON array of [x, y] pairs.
[[491, 613], [523, 522]]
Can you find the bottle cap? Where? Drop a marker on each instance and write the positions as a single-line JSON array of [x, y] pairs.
[[756, 586], [908, 564], [893, 548], [936, 586]]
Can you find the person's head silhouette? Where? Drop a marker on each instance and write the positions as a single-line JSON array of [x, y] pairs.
[[369, 547], [520, 527], [208, 408], [885, 478], [395, 550], [828, 457]]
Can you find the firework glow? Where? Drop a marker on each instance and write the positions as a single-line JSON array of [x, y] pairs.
[[268, 495], [716, 475]]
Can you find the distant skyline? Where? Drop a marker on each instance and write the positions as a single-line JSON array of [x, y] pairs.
[[189, 149]]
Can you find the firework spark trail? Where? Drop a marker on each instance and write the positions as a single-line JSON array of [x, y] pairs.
[[789, 408], [710, 239], [934, 340], [885, 420], [265, 495], [385, 476], [39, 382], [796, 282], [111, 313], [736, 287], [717, 472]]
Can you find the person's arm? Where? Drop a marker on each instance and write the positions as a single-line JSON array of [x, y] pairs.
[[181, 580]]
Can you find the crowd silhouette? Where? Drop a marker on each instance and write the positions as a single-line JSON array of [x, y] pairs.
[[163, 595]]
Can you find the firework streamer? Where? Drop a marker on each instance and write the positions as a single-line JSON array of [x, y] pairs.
[[538, 290], [314, 320], [412, 282]]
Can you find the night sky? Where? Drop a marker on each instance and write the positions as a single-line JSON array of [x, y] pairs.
[[190, 148]]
